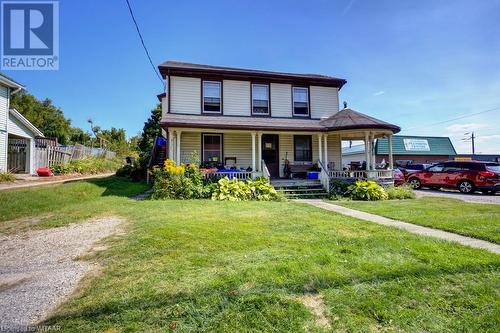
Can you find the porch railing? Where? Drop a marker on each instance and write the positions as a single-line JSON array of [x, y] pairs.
[[361, 174], [265, 170], [240, 175], [324, 177]]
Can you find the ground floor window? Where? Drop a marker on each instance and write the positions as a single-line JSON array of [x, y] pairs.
[[302, 148], [212, 148]]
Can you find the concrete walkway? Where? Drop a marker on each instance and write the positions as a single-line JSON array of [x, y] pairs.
[[413, 228], [49, 181]]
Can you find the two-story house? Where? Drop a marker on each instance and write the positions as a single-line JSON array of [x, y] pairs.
[[255, 121]]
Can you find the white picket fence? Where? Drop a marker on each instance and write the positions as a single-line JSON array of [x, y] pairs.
[[51, 155]]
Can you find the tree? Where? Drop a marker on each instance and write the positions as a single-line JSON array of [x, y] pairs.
[[77, 135], [44, 115], [150, 130]]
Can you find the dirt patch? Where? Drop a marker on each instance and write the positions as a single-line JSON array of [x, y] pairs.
[[38, 269], [316, 304], [22, 223]]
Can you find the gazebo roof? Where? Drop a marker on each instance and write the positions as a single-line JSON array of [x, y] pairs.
[[350, 119]]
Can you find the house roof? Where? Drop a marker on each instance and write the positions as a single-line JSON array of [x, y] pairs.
[[232, 122], [416, 145], [25, 122], [350, 119], [7, 81], [188, 69]]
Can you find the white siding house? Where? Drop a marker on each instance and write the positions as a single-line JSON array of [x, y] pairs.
[[256, 121], [15, 127]]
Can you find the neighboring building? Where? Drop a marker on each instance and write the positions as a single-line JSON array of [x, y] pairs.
[[406, 150], [416, 149], [353, 155], [252, 120], [17, 134], [476, 157]]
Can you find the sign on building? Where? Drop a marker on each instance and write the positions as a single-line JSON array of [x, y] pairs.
[[416, 144]]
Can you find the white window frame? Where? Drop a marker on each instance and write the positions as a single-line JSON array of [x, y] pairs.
[[268, 98], [293, 103], [203, 96], [203, 145]]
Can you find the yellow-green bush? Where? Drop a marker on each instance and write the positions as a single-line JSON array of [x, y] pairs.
[[6, 177], [366, 190]]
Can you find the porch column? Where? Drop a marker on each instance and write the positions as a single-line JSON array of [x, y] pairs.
[[253, 152], [320, 138], [178, 144], [170, 144], [325, 144], [389, 142], [372, 148], [259, 150], [367, 151]]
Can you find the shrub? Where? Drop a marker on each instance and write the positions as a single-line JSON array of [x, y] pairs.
[[89, 165], [366, 190], [262, 190], [133, 171], [179, 182], [232, 190], [187, 182], [400, 192], [6, 177], [338, 188]]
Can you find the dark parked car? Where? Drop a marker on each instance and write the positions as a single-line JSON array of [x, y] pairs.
[[411, 168], [466, 176]]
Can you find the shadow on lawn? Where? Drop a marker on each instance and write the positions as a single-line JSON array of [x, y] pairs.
[[119, 186], [193, 307]]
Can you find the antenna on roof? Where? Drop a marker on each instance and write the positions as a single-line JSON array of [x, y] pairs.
[[345, 105]]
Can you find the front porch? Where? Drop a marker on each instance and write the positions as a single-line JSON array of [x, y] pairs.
[[250, 154]]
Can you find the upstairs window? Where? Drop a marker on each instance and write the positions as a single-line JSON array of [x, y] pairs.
[[302, 148], [260, 99], [212, 97], [300, 102]]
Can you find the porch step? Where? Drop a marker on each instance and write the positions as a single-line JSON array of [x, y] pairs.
[[300, 188]]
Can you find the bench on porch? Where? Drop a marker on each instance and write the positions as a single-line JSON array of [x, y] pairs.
[[299, 170]]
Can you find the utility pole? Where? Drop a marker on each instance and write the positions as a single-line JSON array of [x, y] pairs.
[[473, 148], [471, 137]]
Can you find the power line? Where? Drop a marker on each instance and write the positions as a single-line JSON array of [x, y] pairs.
[[142, 42], [453, 119]]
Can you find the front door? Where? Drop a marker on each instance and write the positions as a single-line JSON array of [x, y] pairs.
[[270, 153]]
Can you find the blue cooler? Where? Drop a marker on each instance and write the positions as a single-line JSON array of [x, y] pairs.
[[312, 174]]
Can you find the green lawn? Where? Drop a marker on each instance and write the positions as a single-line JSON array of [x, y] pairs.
[[247, 266], [469, 219]]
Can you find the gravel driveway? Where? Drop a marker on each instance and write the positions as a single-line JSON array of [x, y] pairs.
[[38, 269], [474, 198]]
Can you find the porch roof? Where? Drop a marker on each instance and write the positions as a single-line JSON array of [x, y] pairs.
[[234, 122], [350, 119], [345, 119]]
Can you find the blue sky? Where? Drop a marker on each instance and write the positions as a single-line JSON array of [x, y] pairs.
[[412, 63]]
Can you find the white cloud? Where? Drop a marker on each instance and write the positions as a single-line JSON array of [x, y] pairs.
[[462, 128], [378, 93]]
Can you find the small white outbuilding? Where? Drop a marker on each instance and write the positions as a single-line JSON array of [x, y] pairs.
[[17, 134]]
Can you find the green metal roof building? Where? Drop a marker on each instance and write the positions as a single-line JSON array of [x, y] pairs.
[[418, 149]]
